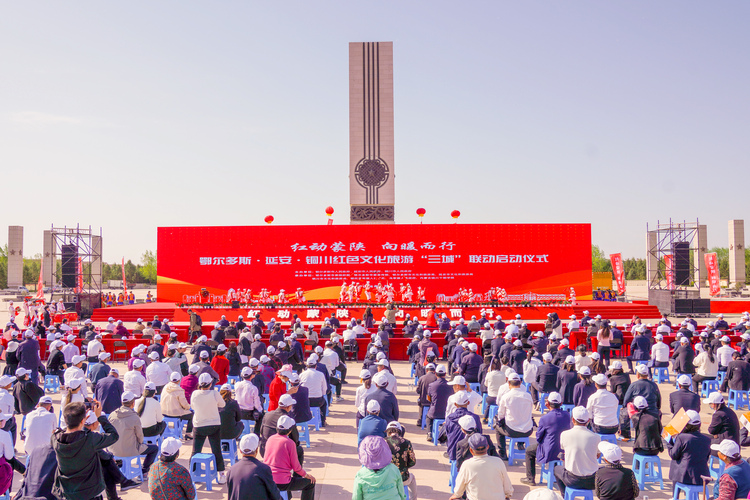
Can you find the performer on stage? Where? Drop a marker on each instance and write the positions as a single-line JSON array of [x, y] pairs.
[[12, 310], [379, 293], [300, 294], [149, 297], [131, 298], [342, 292], [421, 294], [368, 291], [408, 294]]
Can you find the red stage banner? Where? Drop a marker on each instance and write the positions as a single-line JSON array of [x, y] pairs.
[[219, 264], [40, 284], [619, 271], [79, 283], [669, 270], [712, 266]]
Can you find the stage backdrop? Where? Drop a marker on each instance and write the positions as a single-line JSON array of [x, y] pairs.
[[519, 258]]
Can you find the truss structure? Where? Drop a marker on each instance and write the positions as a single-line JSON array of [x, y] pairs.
[[661, 243], [88, 264]]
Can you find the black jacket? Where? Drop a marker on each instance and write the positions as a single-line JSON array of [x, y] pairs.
[[268, 428], [251, 479], [615, 482], [683, 359], [620, 384], [689, 454], [563, 353], [40, 475], [27, 395], [546, 377], [388, 404], [647, 432], [738, 376], [566, 382], [686, 399], [230, 416], [79, 472], [724, 425]]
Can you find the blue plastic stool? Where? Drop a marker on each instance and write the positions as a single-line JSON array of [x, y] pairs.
[[677, 385], [174, 427], [284, 495], [316, 417], [474, 386], [513, 452], [715, 467], [51, 383], [567, 408], [492, 414], [692, 492], [425, 409], [610, 438], [542, 401], [645, 470], [571, 493], [452, 477], [739, 399], [249, 427], [229, 450], [436, 422], [304, 434], [406, 492], [720, 376], [661, 374], [709, 386], [129, 470], [203, 469], [153, 440], [232, 380], [7, 495], [548, 473]]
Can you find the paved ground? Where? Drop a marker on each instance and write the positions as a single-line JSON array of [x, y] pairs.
[[333, 458]]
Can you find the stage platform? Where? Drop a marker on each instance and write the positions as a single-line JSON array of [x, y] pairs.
[[316, 314]]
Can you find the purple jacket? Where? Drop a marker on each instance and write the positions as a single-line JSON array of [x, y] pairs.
[[551, 425], [189, 383], [28, 355], [454, 432]]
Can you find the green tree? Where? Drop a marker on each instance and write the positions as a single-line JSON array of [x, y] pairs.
[[31, 268], [635, 269], [4, 267], [147, 269], [600, 262]]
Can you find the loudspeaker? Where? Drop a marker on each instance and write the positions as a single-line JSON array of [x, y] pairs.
[[683, 307], [681, 252], [235, 304], [69, 265], [701, 306]]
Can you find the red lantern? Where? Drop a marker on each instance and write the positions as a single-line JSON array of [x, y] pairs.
[[268, 219], [421, 212], [455, 214], [329, 211]]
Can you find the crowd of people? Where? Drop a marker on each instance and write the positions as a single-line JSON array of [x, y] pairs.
[[262, 389]]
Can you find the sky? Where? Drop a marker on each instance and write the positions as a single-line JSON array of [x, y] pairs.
[[128, 116]]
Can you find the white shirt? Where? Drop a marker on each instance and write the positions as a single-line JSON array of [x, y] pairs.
[[40, 424], [6, 445], [361, 396], [581, 361], [515, 407], [158, 373], [660, 352], [512, 329], [151, 412], [493, 381], [331, 359], [359, 330], [474, 400], [581, 447], [246, 395], [75, 372], [349, 335], [530, 368], [7, 402], [70, 350], [486, 334], [574, 325], [315, 383], [663, 329], [603, 408], [94, 348], [725, 355], [134, 382]]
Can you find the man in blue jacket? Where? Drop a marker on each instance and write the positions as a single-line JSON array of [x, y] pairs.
[[547, 446], [372, 424], [452, 429], [640, 348]]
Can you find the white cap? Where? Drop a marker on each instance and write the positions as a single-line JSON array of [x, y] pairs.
[[202, 338], [365, 374], [170, 446], [138, 363], [175, 377], [6, 380], [684, 380], [727, 447], [139, 320], [610, 452], [725, 339], [382, 362], [155, 355], [640, 402], [458, 380], [615, 365], [585, 370], [203, 354], [565, 342], [226, 387], [249, 443], [380, 379], [22, 372], [127, 397], [513, 376], [600, 379], [570, 360], [150, 386], [518, 343], [285, 422], [205, 379], [78, 359], [595, 356], [473, 347], [253, 363], [641, 369], [554, 397], [462, 398], [221, 348], [467, 423], [440, 369], [90, 417], [293, 378], [581, 414], [694, 417], [547, 356], [194, 368], [373, 406], [264, 359], [286, 400], [45, 400], [157, 337], [75, 383], [714, 398], [246, 371], [683, 340]]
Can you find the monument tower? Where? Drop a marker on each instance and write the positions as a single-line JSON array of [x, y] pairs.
[[371, 173]]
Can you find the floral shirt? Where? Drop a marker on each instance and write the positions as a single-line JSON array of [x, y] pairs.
[[170, 481], [403, 455]]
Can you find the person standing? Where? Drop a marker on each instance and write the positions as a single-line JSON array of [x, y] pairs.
[[28, 356], [207, 422]]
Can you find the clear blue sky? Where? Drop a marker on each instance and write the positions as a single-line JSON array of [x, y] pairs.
[[134, 115]]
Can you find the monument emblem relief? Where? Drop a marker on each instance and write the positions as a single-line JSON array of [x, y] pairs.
[[371, 174]]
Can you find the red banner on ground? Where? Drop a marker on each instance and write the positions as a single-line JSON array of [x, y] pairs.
[[619, 271], [669, 270], [217, 264], [40, 284], [712, 266]]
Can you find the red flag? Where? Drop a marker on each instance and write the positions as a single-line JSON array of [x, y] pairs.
[[712, 266], [124, 281], [40, 285], [619, 270], [79, 288], [669, 265]]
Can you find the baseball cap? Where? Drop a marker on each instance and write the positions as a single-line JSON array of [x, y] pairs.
[[640, 402], [203, 354], [45, 400], [615, 365], [458, 380], [365, 374], [600, 379], [440, 369], [194, 368], [150, 386], [684, 380], [462, 398], [547, 356], [249, 443], [221, 348], [155, 355], [570, 360], [467, 423], [477, 442], [610, 452], [205, 379], [514, 377], [226, 387], [103, 355], [581, 414], [126, 397], [6, 380], [694, 417], [565, 342], [382, 362], [727, 447], [78, 359], [554, 397], [642, 369], [293, 378], [373, 406], [285, 422], [21, 372], [585, 370], [714, 398], [380, 379], [175, 377], [286, 400], [170, 446], [253, 363]]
